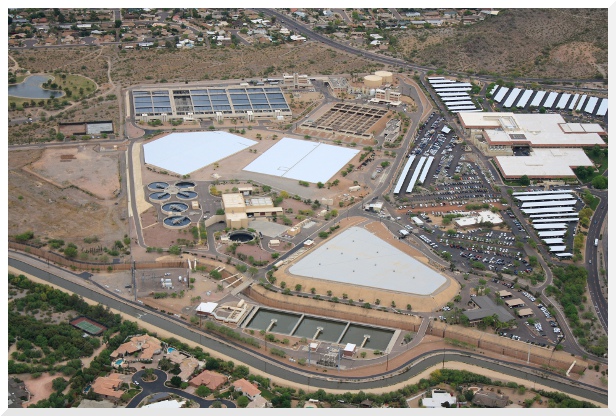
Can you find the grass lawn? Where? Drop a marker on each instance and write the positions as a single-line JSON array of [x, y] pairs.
[[133, 392], [266, 394]]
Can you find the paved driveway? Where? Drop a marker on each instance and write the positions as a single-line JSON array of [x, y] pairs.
[[158, 386]]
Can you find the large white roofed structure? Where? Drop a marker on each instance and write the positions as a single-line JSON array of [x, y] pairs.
[[590, 105], [557, 219], [404, 174], [416, 173], [302, 160], [551, 233], [581, 103], [562, 103], [184, 153], [573, 101], [543, 163], [557, 191], [557, 248], [555, 226], [548, 210], [550, 197], [358, 257]]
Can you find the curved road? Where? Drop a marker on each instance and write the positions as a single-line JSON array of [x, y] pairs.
[[594, 280], [158, 386], [262, 361]]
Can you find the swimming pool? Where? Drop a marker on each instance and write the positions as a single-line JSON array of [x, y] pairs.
[[170, 350], [120, 361]]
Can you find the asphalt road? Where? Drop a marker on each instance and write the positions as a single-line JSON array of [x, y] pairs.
[[334, 380], [594, 280], [158, 386]]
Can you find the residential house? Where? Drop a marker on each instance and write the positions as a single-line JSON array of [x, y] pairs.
[[247, 388], [210, 379], [434, 22], [108, 387], [259, 403], [487, 398], [145, 345], [438, 400]]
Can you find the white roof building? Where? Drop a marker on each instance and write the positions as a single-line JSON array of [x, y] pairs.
[[439, 397], [543, 163], [207, 307], [537, 130], [483, 216]]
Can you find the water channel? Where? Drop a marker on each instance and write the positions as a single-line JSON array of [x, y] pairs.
[[31, 87], [320, 329]]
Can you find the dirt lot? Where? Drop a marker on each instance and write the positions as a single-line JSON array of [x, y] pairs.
[[40, 388], [36, 204], [81, 166]]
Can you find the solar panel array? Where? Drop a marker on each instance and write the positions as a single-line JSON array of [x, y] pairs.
[[565, 100], [537, 100], [210, 101], [590, 106], [501, 94], [524, 99], [581, 103], [575, 98], [416, 173], [404, 174], [549, 102], [562, 103]]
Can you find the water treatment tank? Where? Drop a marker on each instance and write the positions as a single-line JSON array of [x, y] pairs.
[[373, 81], [386, 76]]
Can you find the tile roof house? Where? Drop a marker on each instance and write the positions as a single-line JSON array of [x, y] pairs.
[[210, 379], [108, 386], [145, 344], [247, 388]]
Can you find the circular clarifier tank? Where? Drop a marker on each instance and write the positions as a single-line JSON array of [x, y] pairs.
[[241, 236], [178, 221], [158, 186], [185, 184], [186, 195], [159, 196], [174, 207]]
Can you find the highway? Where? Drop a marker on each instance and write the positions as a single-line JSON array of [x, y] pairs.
[[315, 380]]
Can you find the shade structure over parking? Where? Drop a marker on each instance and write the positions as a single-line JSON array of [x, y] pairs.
[[302, 160], [184, 153], [358, 257]]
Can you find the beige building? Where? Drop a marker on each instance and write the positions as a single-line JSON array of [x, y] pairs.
[[238, 210], [388, 95]]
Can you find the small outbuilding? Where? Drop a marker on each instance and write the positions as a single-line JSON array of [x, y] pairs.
[[525, 312], [206, 308], [515, 303], [504, 294], [349, 350]]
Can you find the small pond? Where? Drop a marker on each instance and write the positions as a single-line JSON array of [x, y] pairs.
[[31, 87]]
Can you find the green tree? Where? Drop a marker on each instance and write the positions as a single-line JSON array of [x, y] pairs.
[[175, 250], [242, 401], [118, 24], [599, 182], [175, 381], [203, 391], [524, 180]]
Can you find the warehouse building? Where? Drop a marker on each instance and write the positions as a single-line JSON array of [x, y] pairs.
[[487, 307]]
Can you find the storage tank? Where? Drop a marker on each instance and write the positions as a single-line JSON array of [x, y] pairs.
[[372, 92], [386, 76], [373, 81]]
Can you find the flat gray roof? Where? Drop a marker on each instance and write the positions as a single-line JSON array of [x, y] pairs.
[[487, 307], [356, 256]]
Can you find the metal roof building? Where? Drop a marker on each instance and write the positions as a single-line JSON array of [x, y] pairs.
[[562, 103], [548, 197], [424, 173], [557, 248], [564, 255], [581, 103], [537, 204], [459, 103], [467, 108], [557, 191], [524, 99], [549, 241], [501, 94], [404, 174], [537, 100], [602, 108], [514, 94], [561, 215], [548, 210], [557, 203], [557, 219], [549, 102], [574, 101], [416, 173], [542, 234], [554, 226], [590, 105]]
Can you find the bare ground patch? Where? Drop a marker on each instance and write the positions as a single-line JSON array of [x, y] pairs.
[[82, 167]]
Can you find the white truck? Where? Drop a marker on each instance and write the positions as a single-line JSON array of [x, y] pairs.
[[596, 242]]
